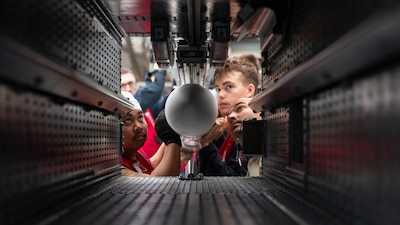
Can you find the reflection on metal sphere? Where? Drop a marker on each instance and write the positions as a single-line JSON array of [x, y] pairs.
[[191, 110]]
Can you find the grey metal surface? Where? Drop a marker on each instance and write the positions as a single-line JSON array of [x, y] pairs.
[[353, 143], [349, 125], [168, 200], [60, 157], [68, 34], [50, 148], [41, 73], [365, 45]]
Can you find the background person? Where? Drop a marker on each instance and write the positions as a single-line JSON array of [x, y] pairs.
[[149, 94]]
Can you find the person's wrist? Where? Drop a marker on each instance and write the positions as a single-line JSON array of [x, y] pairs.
[[204, 143], [205, 140], [176, 141]]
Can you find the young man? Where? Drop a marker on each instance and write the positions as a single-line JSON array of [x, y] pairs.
[[239, 112], [166, 162], [218, 156]]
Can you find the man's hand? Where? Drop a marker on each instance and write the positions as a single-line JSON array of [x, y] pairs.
[[152, 78], [221, 123]]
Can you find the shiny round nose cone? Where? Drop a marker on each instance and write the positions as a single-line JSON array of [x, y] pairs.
[[191, 110]]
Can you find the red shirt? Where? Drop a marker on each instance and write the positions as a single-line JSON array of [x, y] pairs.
[[150, 146], [225, 149], [141, 164]]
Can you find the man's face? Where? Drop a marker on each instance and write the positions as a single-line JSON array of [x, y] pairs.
[[240, 111], [128, 83], [230, 88], [135, 130]]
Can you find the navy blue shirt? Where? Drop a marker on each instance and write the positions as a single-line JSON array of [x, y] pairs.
[[210, 162], [149, 96]]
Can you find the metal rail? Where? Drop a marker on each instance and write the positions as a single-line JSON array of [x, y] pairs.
[[25, 67]]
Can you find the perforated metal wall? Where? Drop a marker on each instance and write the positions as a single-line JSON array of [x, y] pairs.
[[46, 140], [52, 148], [59, 158], [67, 34], [354, 146], [277, 141], [349, 129], [313, 25]]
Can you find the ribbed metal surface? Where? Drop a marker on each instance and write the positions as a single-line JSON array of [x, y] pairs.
[[168, 200]]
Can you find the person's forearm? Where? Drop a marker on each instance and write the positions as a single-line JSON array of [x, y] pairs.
[[170, 163], [156, 158], [129, 173]]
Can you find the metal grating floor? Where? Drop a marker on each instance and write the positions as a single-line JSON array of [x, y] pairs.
[[168, 200]]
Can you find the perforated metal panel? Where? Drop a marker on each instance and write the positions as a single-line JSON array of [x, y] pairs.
[[67, 34], [46, 140], [313, 25], [350, 128], [60, 158], [53, 148], [354, 130], [277, 141]]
